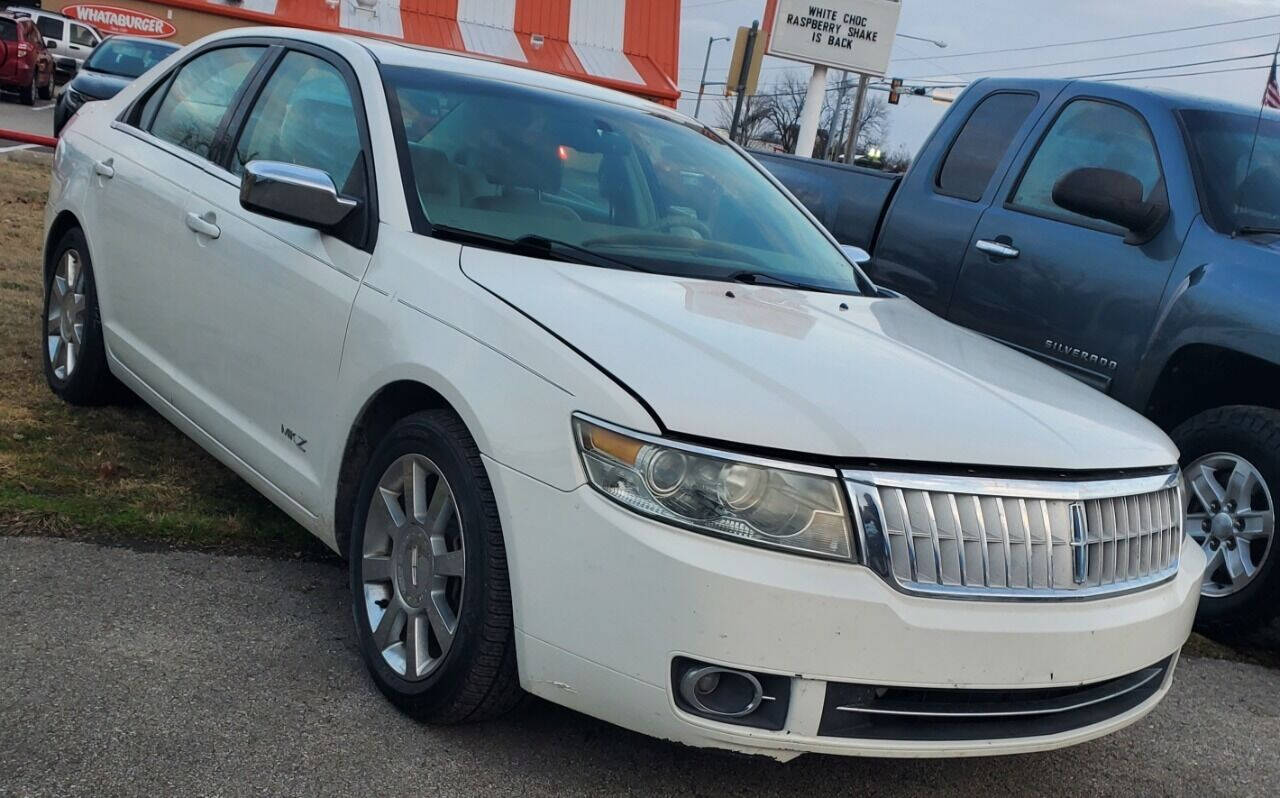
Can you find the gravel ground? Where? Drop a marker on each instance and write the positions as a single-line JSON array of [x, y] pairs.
[[143, 673]]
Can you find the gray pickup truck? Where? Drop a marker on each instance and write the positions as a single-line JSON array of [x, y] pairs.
[[1130, 238]]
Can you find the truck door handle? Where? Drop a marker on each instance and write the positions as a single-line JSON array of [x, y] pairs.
[[105, 169], [203, 224], [997, 249]]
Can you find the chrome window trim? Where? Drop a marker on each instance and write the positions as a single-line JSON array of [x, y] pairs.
[[863, 488]]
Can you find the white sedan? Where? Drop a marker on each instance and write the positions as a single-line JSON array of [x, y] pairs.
[[596, 411]]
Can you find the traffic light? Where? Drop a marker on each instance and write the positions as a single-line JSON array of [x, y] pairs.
[[895, 91]]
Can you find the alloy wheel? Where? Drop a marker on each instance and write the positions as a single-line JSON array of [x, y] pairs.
[[413, 566], [1230, 513], [64, 327]]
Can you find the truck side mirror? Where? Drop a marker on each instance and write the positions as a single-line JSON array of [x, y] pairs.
[[1113, 196]]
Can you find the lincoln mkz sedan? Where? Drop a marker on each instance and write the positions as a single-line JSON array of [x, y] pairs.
[[597, 411]]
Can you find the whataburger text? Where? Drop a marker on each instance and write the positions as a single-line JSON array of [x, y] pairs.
[[119, 19]]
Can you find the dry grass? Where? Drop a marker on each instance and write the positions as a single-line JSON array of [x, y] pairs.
[[115, 474]]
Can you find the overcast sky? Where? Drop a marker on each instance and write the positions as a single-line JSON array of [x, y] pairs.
[[978, 25]]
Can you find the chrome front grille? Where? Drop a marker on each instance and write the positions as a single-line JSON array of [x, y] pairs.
[[969, 536]]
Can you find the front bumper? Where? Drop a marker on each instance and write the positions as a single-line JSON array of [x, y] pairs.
[[604, 601]]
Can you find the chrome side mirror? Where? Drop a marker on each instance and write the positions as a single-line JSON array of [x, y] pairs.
[[856, 254], [293, 193]]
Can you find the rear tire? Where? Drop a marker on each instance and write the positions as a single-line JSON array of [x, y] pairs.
[[430, 595], [27, 94], [75, 356], [1231, 461]]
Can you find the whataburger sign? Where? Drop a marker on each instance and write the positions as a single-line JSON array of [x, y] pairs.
[[856, 35], [112, 19]]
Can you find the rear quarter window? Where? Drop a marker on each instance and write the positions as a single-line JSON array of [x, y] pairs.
[[8, 30], [982, 144]]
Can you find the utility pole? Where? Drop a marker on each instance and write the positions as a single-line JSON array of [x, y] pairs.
[[743, 78], [811, 112], [834, 137], [851, 146], [702, 86]]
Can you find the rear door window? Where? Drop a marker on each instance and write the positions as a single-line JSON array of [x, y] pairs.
[[8, 30], [50, 27], [982, 144], [191, 109]]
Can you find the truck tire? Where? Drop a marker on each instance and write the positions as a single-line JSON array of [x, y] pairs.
[[430, 594], [75, 355], [1231, 462]]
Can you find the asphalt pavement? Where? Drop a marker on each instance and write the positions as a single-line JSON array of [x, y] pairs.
[[125, 672], [14, 115]]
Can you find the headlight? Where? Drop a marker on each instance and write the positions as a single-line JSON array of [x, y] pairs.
[[785, 507]]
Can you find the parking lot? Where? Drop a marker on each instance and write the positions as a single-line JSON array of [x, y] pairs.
[[177, 673], [36, 119]]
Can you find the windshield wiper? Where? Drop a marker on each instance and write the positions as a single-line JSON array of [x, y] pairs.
[[761, 278], [1248, 230], [535, 246], [563, 250]]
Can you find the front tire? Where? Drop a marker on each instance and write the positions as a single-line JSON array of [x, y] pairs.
[[430, 594], [75, 356], [1231, 463]]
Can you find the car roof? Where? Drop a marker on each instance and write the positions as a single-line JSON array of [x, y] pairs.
[[395, 53], [1173, 100]]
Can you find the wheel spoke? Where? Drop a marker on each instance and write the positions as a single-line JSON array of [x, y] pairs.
[[1235, 564], [443, 621], [415, 639], [448, 563], [1241, 483], [1255, 526], [53, 323], [415, 490], [59, 286], [385, 632], [73, 269], [391, 503], [1206, 487], [55, 350], [440, 511], [70, 348], [1215, 557], [376, 568]]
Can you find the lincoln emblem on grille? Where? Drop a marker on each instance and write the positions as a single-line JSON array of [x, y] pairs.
[[1079, 543]]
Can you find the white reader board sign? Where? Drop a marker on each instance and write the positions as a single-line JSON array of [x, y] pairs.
[[855, 35]]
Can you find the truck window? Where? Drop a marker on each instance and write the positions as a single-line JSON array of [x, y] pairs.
[[981, 144], [1087, 133], [50, 27]]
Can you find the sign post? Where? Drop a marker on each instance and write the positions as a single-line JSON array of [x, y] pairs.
[[742, 79], [852, 35]]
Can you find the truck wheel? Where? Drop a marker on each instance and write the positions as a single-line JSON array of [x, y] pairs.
[[430, 594], [75, 357], [1231, 463]]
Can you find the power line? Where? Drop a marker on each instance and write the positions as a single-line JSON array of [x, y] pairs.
[[1188, 74], [1171, 66], [1094, 59], [1095, 41]]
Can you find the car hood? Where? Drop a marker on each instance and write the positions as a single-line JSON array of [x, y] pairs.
[[822, 374], [99, 85]]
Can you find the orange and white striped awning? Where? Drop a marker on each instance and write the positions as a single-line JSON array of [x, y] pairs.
[[631, 45]]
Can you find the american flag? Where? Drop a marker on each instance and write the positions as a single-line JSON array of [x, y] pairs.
[[1271, 97]]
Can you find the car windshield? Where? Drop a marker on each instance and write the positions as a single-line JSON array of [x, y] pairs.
[[638, 187], [1240, 181], [126, 57]]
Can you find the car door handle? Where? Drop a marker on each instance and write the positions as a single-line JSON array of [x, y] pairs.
[[997, 249], [105, 169], [203, 224]]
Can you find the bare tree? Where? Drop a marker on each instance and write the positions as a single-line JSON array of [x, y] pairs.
[[873, 125], [754, 122], [898, 161]]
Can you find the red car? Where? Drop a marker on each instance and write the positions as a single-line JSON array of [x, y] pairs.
[[25, 64]]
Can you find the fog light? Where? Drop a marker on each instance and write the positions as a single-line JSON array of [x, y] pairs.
[[730, 695]]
